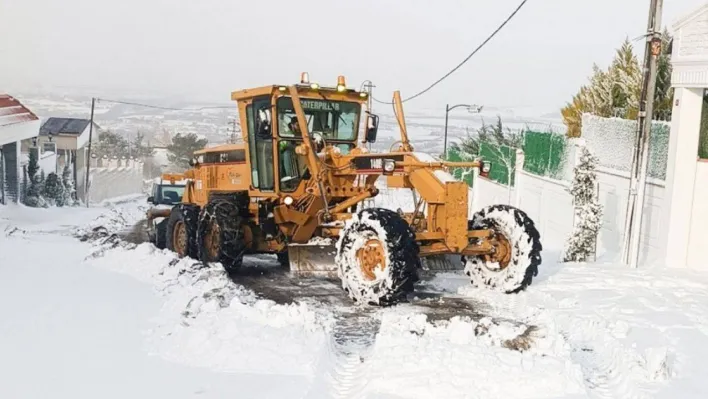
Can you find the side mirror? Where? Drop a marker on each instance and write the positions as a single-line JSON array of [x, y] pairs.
[[372, 128], [151, 199], [191, 162]]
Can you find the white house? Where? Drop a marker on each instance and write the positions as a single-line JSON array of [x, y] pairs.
[[17, 123], [686, 220], [68, 138]]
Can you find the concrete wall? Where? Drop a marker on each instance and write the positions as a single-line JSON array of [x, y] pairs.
[[115, 179], [613, 194]]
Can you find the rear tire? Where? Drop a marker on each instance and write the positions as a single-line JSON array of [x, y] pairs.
[[184, 243], [524, 245], [377, 257], [220, 236], [161, 234]]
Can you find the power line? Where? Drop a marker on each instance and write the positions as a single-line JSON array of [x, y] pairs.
[[164, 108], [420, 93]]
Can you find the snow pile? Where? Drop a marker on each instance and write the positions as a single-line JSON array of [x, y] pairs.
[[207, 320], [462, 357], [634, 333], [112, 221]]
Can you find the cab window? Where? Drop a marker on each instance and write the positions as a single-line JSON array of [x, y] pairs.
[[335, 120]]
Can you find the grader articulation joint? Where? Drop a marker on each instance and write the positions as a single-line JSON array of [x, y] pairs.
[[298, 185]]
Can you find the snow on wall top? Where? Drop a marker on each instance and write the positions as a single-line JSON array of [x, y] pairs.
[[612, 141], [12, 111]]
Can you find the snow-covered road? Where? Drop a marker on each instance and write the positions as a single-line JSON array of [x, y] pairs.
[[104, 318], [71, 330]]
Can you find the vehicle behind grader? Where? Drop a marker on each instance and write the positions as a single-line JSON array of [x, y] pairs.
[[297, 186]]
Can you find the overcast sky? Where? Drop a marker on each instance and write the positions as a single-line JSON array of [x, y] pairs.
[[207, 48]]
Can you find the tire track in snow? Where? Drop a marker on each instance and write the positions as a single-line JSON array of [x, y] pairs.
[[610, 370], [342, 370]]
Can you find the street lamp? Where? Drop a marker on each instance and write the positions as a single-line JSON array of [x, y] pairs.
[[472, 109]]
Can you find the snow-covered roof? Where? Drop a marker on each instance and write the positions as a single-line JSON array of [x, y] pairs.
[[72, 126], [12, 111]]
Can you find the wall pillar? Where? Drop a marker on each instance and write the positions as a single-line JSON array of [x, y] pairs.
[[681, 173], [518, 168]]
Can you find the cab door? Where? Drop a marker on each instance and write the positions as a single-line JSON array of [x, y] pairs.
[[260, 143]]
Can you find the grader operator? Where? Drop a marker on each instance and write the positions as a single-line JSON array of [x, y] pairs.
[[297, 187]]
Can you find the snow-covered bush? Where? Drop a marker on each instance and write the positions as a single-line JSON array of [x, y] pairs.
[[34, 196], [53, 190], [588, 211], [69, 193]]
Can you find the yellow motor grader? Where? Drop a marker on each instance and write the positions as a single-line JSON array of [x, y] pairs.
[[297, 186]]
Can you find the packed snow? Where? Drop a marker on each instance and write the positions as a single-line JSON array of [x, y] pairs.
[[88, 314]]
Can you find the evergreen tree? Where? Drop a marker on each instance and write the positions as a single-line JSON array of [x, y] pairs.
[[110, 144], [588, 211], [616, 91], [182, 149], [53, 190], [33, 197], [494, 134], [69, 187], [34, 194], [138, 149], [33, 165]]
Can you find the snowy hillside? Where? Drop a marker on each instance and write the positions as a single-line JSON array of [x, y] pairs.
[[98, 316]]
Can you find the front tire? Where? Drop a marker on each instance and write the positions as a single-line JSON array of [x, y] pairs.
[[377, 257], [220, 235], [516, 261], [181, 234]]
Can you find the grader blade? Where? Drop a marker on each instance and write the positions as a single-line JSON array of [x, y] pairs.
[[433, 264], [312, 260]]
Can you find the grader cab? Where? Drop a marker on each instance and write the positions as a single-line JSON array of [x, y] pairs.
[[297, 186]]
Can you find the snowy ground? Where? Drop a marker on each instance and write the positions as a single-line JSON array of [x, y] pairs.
[[106, 318]]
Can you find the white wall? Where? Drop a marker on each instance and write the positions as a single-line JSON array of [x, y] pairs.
[[698, 233], [18, 131], [115, 181], [488, 192], [549, 204], [613, 196]]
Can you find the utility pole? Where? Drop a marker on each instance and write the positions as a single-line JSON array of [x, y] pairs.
[[88, 155], [640, 160], [447, 110], [232, 129]]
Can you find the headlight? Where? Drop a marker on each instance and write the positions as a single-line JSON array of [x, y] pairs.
[[288, 200], [389, 165], [485, 167]]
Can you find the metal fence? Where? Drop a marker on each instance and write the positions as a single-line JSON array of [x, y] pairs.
[[545, 153]]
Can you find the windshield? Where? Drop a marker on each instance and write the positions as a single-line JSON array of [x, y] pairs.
[[171, 194], [335, 120]]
